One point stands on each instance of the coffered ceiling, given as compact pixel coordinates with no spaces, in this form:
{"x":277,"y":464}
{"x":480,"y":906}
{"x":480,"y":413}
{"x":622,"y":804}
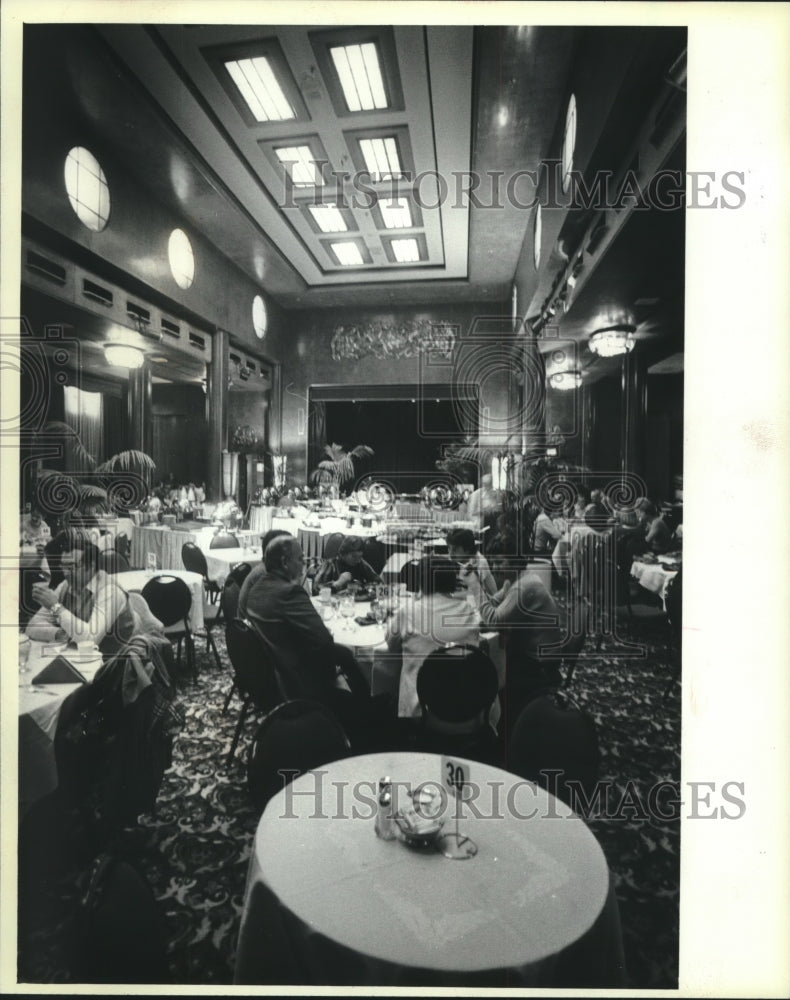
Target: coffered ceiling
{"x":455,"y":101}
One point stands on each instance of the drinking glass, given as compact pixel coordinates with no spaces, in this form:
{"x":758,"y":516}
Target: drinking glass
{"x":24,"y":653}
{"x":379,"y":611}
{"x":347,"y":609}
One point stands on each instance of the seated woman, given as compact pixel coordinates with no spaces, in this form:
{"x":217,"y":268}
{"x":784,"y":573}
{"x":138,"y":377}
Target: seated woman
{"x":437,"y":616}
{"x":346,"y":567}
{"x":462,"y":549}
{"x":88,"y":604}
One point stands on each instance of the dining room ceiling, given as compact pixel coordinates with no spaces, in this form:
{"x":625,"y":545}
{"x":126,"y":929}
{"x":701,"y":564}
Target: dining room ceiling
{"x":455,"y":101}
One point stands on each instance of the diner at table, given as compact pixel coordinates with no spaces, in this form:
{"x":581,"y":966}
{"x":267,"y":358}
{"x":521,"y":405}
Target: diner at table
{"x":295,"y":471}
{"x":436,"y":616}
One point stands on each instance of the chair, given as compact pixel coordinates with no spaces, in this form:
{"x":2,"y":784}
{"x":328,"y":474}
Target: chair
{"x":296,"y":736}
{"x":255,"y":676}
{"x":410,"y":575}
{"x":229,"y":605}
{"x":121,"y":932}
{"x":170,"y":600}
{"x":552,"y":734}
{"x":456,"y":689}
{"x":332,"y":544}
{"x":111,"y":561}
{"x":374,"y":553}
{"x":674,"y":606}
{"x":194,"y":561}
{"x":224,"y":540}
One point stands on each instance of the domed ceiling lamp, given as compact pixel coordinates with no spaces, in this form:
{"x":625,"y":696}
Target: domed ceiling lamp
{"x":613,"y":340}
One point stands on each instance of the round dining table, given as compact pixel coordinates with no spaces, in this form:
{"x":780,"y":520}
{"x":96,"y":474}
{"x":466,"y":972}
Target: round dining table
{"x":327,"y":902}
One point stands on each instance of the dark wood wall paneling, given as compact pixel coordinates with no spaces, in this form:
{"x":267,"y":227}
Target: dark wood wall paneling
{"x":179,"y":432}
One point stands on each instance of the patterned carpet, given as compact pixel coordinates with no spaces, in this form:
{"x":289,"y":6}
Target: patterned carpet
{"x":194,"y":852}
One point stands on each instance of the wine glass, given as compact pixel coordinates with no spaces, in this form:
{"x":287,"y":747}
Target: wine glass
{"x":379,"y":611}
{"x":347,"y":609}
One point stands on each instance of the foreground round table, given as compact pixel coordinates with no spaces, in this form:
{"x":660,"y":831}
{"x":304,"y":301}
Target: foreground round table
{"x":327,"y":902}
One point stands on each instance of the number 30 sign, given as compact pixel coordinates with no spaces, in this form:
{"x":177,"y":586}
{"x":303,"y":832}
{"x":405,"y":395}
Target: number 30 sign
{"x":455,"y":777}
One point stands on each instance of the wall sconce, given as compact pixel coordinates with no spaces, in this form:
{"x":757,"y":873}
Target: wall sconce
{"x":612,"y":340}
{"x":569,"y":379}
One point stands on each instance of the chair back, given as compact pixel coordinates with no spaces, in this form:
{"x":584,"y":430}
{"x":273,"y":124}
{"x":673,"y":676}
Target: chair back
{"x":374,"y":553}
{"x":121,"y":932}
{"x":253,"y":668}
{"x":111,"y":561}
{"x":552,"y":734}
{"x":410,"y":575}
{"x":169,"y":599}
{"x":289,"y":680}
{"x":456,"y":687}
{"x":224,"y":540}
{"x":332,"y":544}
{"x":194,"y":559}
{"x":229,"y":598}
{"x":296,"y":737}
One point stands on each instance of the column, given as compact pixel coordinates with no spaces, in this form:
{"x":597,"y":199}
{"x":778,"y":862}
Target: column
{"x":216,"y":413}
{"x":141,"y":435}
{"x":634,"y":413}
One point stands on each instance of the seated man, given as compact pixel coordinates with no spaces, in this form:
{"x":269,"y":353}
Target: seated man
{"x":434,"y":618}
{"x":462,"y":549}
{"x":485,"y":502}
{"x":658,"y":537}
{"x":346,"y":567}
{"x":312,"y":664}
{"x":88,"y":604}
{"x":529,"y":619}
{"x":258,"y":571}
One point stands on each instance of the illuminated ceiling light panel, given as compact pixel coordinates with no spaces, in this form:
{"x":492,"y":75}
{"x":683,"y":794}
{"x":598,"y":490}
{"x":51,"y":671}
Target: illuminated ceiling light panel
{"x":260,"y":89}
{"x":348,"y":254}
{"x":305,"y":172}
{"x":328,"y":218}
{"x":359,"y":71}
{"x":381,"y":158}
{"x":396,"y":214}
{"x":405,"y":251}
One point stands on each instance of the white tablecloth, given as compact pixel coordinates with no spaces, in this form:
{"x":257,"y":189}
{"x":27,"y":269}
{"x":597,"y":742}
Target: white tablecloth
{"x":221,"y":561}
{"x":653,"y":577}
{"x":136,"y":579}
{"x":39,"y":709}
{"x":327,"y":902}
{"x":165,"y":544}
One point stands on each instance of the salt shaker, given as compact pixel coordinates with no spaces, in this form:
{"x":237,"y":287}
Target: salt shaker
{"x":385,"y":821}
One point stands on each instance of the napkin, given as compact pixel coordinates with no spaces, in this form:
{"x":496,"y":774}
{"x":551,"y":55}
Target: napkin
{"x":59,"y":671}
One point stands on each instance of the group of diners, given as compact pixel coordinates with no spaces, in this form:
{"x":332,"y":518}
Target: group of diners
{"x":454,"y":597}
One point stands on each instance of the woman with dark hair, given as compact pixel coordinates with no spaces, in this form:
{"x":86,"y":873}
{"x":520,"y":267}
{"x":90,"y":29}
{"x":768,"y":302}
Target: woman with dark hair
{"x":348,"y":566}
{"x":434,"y":618}
{"x":88,"y":605}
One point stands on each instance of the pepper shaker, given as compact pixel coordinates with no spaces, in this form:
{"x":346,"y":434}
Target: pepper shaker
{"x":385,"y":821}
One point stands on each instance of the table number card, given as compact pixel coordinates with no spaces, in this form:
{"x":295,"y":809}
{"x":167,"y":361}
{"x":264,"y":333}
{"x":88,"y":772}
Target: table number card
{"x":455,"y":778}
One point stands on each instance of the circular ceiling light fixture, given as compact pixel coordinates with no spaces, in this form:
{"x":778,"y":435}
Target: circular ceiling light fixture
{"x":259,"y":318}
{"x":568,"y":379}
{"x":613,"y":340}
{"x":182,"y":258}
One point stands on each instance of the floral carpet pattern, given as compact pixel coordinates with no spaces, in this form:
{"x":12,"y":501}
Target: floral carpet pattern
{"x":194,"y":851}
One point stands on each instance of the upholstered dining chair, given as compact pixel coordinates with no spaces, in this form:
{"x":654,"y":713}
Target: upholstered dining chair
{"x":254,"y":674}
{"x":224,"y":540}
{"x":294,"y":737}
{"x":194,"y":560}
{"x":456,"y":689}
{"x":170,"y":600}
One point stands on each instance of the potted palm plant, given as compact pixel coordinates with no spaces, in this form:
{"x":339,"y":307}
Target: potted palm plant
{"x":338,"y":468}
{"x":118,"y":483}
